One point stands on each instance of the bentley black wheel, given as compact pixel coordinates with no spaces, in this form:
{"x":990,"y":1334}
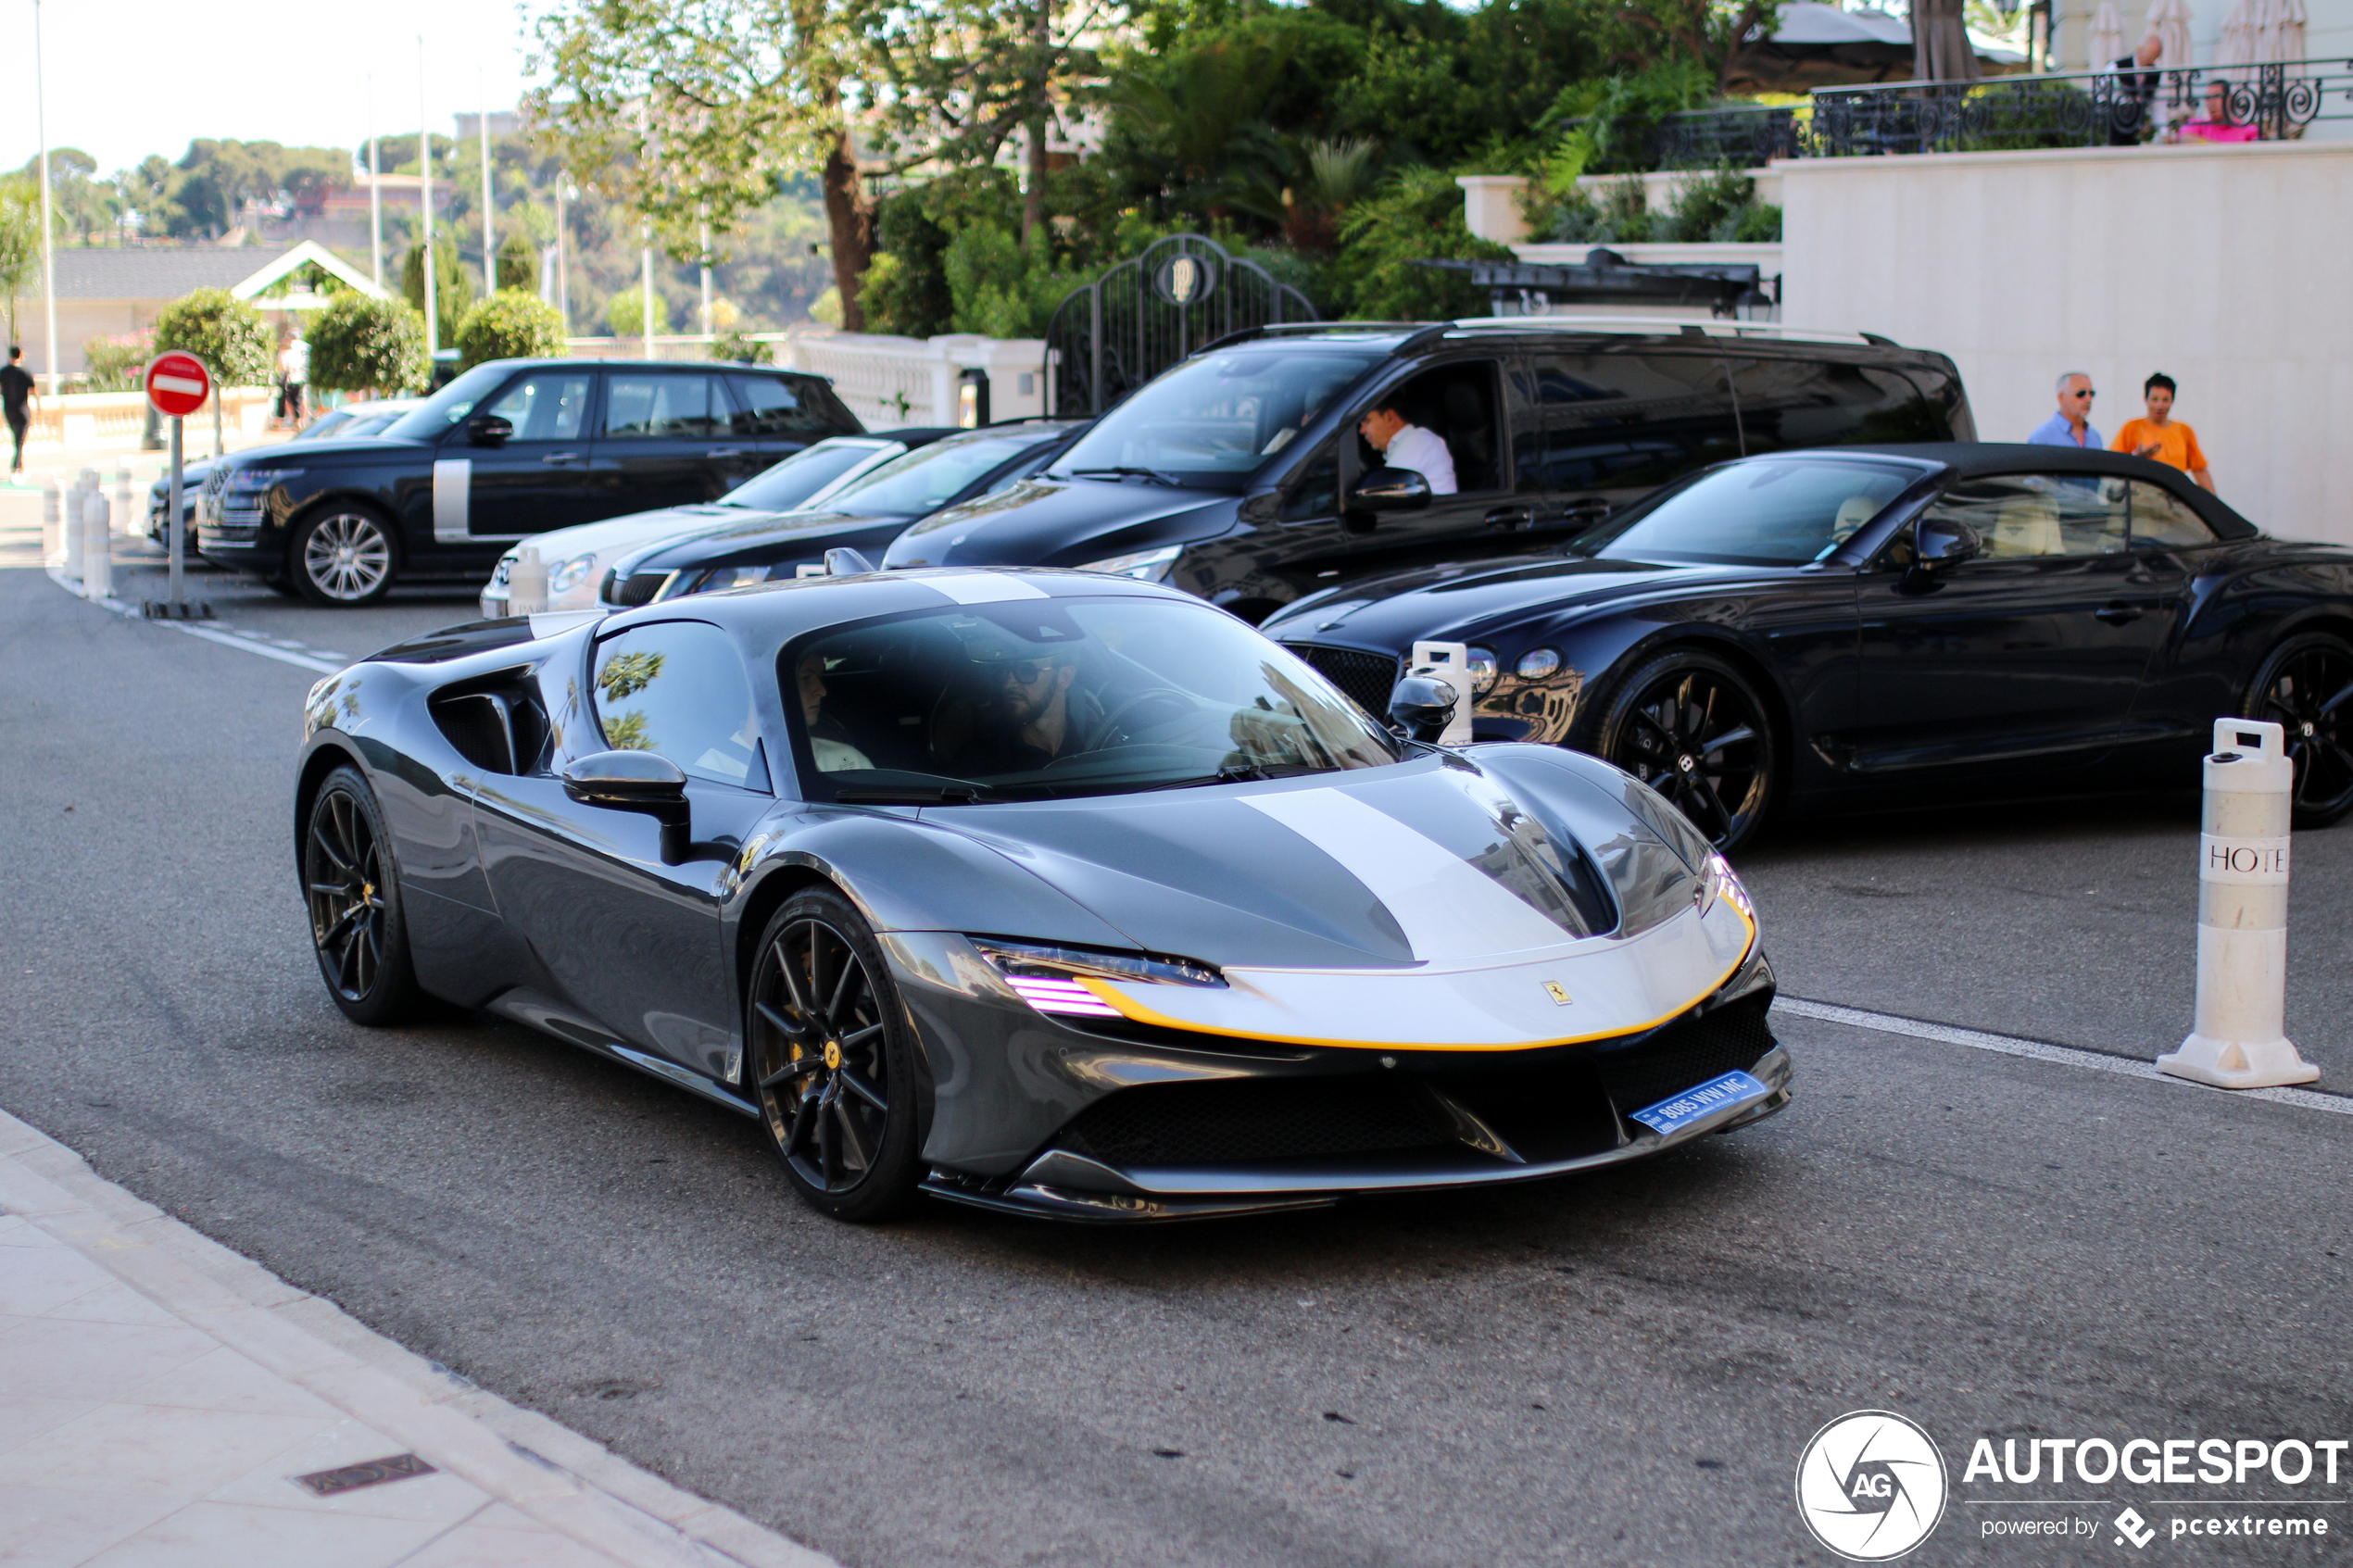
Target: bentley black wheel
{"x":832,"y":1060}
{"x":2306,"y":688}
{"x":1694,"y":728}
{"x":354,"y":896}
{"x":343,"y":556}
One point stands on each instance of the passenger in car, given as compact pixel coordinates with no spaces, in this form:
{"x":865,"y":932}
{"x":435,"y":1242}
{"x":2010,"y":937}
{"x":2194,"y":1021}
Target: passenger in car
{"x":1403,"y":444}
{"x":834,"y":753}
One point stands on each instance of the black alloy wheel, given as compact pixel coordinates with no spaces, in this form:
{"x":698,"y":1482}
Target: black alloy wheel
{"x":343,"y":556}
{"x":2306,"y":688}
{"x":354,"y":896}
{"x":1694,"y":728}
{"x":832,"y":1060}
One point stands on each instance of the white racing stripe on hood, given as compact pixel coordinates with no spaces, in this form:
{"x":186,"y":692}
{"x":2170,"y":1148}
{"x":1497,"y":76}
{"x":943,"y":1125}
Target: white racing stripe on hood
{"x":981,"y":587}
{"x":1448,"y":909}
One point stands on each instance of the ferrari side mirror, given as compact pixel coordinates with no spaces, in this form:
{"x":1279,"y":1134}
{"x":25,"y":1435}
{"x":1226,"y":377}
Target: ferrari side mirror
{"x":489,"y":430}
{"x":636,"y":781}
{"x":1421,"y":706}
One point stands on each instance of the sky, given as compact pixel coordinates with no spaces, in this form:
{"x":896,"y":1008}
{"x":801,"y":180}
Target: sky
{"x":127,"y":78}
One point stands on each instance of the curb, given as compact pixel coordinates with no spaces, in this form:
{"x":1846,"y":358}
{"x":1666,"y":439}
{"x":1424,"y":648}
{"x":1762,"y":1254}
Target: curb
{"x":569,"y":1482}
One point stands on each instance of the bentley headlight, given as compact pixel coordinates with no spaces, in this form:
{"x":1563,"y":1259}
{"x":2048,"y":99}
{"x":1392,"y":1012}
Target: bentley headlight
{"x":1538,"y":664}
{"x":1144,"y":566}
{"x":1484,"y":667}
{"x":1051,"y":979}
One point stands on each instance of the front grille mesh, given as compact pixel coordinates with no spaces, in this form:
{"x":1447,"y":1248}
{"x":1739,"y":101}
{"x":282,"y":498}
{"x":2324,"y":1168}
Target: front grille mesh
{"x":1367,"y":678}
{"x":1731,"y":1039}
{"x":637,"y":588}
{"x":1267,"y":1118}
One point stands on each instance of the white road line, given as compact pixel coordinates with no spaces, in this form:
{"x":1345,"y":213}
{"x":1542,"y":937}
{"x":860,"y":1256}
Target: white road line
{"x":228,"y":637}
{"x":2043,"y":1050}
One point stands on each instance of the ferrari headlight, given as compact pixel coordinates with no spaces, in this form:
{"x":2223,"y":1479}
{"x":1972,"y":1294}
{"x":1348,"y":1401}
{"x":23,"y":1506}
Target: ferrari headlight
{"x":1484,"y":667}
{"x":566,"y":575}
{"x":1048,"y":978}
{"x":1144,"y":566}
{"x":1717,"y":880}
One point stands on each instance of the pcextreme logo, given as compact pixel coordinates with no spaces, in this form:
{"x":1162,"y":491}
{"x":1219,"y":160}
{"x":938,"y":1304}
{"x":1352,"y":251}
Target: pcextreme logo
{"x":1870,"y":1486}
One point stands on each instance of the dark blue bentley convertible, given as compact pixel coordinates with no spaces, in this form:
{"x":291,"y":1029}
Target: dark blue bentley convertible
{"x":1818,"y":628}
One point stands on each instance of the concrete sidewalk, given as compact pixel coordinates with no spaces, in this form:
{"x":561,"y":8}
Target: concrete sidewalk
{"x":164,"y":1401}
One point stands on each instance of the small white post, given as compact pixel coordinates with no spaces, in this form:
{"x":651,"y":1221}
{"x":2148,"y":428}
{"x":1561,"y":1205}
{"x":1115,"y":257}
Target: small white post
{"x":528,"y":583}
{"x":97,"y":546}
{"x":1449,"y":662}
{"x":70,"y":527}
{"x":122,"y":507}
{"x":2240,"y":1041}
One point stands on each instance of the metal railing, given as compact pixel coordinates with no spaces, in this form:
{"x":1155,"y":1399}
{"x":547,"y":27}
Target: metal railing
{"x":2087,"y":109}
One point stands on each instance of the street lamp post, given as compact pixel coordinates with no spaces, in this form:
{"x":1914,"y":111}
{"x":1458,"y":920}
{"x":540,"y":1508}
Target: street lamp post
{"x":489,"y":202}
{"x":425,"y":187}
{"x":375,"y":193}
{"x":48,"y":263}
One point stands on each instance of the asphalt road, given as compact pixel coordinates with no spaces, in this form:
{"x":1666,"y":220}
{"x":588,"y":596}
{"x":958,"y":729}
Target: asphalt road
{"x":1617,"y":1369}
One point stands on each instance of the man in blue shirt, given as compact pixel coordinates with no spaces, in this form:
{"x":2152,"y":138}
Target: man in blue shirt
{"x":2072,"y":426}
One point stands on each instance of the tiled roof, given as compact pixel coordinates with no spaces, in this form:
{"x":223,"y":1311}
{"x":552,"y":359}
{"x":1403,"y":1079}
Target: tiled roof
{"x":155,"y":272}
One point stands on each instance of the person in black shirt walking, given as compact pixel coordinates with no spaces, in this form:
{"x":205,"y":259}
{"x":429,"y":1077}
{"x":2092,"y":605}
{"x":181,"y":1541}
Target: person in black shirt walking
{"x":16,"y":398}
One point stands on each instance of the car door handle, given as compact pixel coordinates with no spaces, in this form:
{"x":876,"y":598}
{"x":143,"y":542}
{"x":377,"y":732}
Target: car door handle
{"x":2118,"y":614}
{"x":559,"y":457}
{"x":1511,"y":517}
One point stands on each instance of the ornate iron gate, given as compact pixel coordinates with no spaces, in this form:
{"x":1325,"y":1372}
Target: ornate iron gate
{"x":1141,"y":316}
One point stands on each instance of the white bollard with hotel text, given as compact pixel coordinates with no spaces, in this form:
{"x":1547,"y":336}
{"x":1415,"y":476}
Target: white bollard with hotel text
{"x":2240,"y":1041}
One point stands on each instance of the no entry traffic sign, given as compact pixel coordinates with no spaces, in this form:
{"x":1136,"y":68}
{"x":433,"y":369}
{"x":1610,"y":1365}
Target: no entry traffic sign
{"x":178,"y":383}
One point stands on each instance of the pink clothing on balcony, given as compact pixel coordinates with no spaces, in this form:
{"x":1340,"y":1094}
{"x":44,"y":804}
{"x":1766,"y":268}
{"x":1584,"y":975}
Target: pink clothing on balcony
{"x":2205,"y":130}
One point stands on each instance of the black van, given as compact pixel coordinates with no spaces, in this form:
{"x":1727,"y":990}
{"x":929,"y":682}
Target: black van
{"x":1240,"y":475}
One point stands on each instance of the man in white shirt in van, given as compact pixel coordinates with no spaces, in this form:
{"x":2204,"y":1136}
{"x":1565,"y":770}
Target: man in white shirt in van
{"x":1405,"y":446}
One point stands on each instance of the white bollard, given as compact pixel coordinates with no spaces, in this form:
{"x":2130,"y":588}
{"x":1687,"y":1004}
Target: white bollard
{"x":1449,"y":662}
{"x":70,"y":528}
{"x":528,"y":583}
{"x":97,"y":549}
{"x":53,"y":537}
{"x":2241,"y":1040}
{"x":126,"y":515}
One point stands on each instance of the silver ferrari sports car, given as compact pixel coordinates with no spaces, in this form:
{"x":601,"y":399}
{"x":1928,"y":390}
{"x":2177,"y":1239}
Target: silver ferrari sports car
{"x":1043,"y":891}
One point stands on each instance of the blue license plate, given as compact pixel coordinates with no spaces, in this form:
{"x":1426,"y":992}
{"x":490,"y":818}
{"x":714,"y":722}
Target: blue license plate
{"x":1671,"y":1116}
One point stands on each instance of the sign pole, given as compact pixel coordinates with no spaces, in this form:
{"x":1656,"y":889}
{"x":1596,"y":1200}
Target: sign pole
{"x":179,"y":521}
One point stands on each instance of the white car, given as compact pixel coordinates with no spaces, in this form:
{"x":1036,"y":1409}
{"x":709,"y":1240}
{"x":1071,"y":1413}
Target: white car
{"x":578,"y":558}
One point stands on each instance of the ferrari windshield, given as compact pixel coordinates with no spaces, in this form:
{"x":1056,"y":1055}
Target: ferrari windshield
{"x":1039,"y":697}
{"x":1211,"y":421}
{"x":1776,"y":512}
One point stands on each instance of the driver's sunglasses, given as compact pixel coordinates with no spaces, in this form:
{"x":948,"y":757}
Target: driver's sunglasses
{"x":1026,"y":673}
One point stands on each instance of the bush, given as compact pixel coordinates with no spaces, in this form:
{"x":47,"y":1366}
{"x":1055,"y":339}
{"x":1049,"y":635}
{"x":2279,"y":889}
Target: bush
{"x":1719,"y":206}
{"x":743,"y":349}
{"x":511,"y":324}
{"x":1418,"y":215}
{"x":224,"y":331}
{"x":624,"y":312}
{"x":518,"y":264}
{"x":115,"y":363}
{"x":1621,"y":215}
{"x":362,"y":344}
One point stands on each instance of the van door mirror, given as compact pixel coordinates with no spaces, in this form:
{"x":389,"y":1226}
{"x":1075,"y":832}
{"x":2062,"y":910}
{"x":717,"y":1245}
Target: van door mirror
{"x":1389,"y":490}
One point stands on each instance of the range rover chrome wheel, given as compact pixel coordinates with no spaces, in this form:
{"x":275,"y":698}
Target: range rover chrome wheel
{"x":343,"y":557}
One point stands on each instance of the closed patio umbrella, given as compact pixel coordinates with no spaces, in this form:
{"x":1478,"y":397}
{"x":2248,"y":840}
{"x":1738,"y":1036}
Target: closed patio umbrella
{"x":2236,"y":47}
{"x":2281,"y":30}
{"x":2170,"y":19}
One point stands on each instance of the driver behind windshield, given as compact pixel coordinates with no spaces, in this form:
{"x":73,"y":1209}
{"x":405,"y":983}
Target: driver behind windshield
{"x":1028,"y":712}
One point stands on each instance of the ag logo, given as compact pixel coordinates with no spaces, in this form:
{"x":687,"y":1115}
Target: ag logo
{"x":1870,"y":1486}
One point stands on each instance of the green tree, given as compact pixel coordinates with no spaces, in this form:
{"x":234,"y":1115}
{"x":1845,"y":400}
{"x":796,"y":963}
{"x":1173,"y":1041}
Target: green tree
{"x":20,"y":243}
{"x":518,"y":264}
{"x":224,"y":331}
{"x":453,"y":287}
{"x":511,"y":324}
{"x":362,"y":344}
{"x":625,"y":312}
{"x":1417,"y":216}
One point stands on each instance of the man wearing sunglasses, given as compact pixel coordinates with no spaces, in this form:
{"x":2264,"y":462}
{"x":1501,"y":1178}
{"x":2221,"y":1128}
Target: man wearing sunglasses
{"x":1036,"y":717}
{"x":2072,"y":426}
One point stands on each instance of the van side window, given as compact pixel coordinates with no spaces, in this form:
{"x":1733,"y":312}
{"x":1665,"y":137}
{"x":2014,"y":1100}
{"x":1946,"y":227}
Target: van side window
{"x":1786,"y":403}
{"x":1456,"y":402}
{"x":1630,"y":422}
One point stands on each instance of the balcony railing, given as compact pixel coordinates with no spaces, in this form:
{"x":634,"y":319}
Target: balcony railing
{"x":2057,"y":109}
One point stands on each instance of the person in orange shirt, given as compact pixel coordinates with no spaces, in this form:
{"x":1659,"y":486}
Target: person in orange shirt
{"x":2161,"y":436}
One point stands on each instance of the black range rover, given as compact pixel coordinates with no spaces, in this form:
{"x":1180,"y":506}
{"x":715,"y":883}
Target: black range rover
{"x":510,"y":448}
{"x":1240,"y":475}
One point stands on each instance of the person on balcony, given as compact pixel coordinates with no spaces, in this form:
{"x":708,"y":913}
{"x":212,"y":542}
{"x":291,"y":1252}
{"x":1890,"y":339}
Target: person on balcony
{"x":2136,"y":86}
{"x":2072,"y":426}
{"x":2213,"y":122}
{"x":2162,"y":436}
